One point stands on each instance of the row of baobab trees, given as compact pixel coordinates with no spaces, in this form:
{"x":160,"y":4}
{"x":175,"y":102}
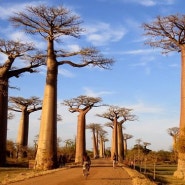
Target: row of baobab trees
{"x":117,"y":117}
{"x":52,"y":23}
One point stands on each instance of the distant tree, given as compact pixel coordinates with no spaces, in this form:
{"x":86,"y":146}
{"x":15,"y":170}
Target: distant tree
{"x":111,"y":125}
{"x":10,"y":148}
{"x":25,"y":106}
{"x":139,"y":148}
{"x":51,"y":23}
{"x":125,"y":138}
{"x":13,"y":50}
{"x":145,"y":149}
{"x":168,"y":33}
{"x":94,"y":127}
{"x":10,"y":115}
{"x":118,"y":116}
{"x":102,"y":134}
{"x":174,"y":133}
{"x":82,"y":105}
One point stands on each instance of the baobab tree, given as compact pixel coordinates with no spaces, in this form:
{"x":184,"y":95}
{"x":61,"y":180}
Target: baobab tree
{"x":102,"y":134}
{"x":118,"y":116}
{"x":13,"y":50}
{"x":82,"y":105}
{"x":52,"y":23}
{"x":125,"y":138}
{"x":168,"y":33}
{"x":26,"y":106}
{"x":174,"y":133}
{"x":111,"y":125}
{"x":94,"y":127}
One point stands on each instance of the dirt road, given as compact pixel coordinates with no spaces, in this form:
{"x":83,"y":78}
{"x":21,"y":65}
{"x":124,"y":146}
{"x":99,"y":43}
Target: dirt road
{"x":101,"y":173}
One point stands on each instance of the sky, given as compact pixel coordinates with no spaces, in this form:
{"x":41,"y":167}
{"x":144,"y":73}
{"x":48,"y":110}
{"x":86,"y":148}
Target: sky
{"x":142,"y":78}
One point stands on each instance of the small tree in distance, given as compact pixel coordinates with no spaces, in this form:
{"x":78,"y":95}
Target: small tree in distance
{"x":82,"y":105}
{"x":25,"y":106}
{"x":174,"y":133}
{"x":118,"y":116}
{"x":94,"y":127}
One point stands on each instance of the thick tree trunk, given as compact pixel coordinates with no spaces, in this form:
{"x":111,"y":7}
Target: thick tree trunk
{"x":112,"y":144}
{"x":80,"y":138}
{"x":125,"y":146}
{"x":95,"y":150}
{"x":46,"y":157}
{"x":22,"y":137}
{"x":180,"y":173}
{"x":115,"y":144}
{"x":101,"y":147}
{"x":120,"y":144}
{"x":97,"y":144}
{"x":3,"y":119}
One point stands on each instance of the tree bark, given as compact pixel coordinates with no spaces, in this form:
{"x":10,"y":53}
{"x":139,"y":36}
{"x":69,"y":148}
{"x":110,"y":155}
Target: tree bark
{"x":3,"y":120}
{"x":180,"y":173}
{"x":22,"y":137}
{"x":115,"y":144}
{"x":112,"y":144}
{"x":80,"y":138}
{"x":46,"y":157}
{"x":101,"y":147}
{"x":95,"y":150}
{"x":120,"y":144}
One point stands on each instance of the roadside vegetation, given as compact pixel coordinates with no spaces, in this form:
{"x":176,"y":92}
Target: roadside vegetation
{"x":158,"y":167}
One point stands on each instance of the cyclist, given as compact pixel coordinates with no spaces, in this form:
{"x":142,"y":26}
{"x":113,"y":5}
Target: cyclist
{"x":86,"y":162}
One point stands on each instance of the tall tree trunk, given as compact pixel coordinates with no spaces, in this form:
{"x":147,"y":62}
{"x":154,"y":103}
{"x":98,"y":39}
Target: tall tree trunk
{"x":46,"y":157}
{"x":101,"y":147}
{"x":180,"y":173}
{"x":112,"y":144}
{"x":115,"y":144}
{"x":3,"y":119}
{"x":80,"y":138}
{"x":95,"y":150}
{"x":22,"y":137}
{"x":97,"y":144}
{"x":120,"y":143}
{"x":125,"y":146}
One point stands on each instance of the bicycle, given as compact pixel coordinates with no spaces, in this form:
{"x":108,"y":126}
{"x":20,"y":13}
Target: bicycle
{"x":86,"y":167}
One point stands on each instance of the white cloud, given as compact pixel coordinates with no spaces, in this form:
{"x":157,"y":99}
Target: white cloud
{"x":148,"y":3}
{"x":8,"y":9}
{"x":102,"y":33}
{"x":73,"y":47}
{"x":90,"y":92}
{"x":65,"y":73}
{"x":139,"y":51}
{"x":143,"y":108}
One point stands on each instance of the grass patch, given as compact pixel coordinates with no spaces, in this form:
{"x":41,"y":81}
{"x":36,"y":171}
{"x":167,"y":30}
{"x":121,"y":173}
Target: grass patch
{"x":13,"y":173}
{"x":163,"y":174}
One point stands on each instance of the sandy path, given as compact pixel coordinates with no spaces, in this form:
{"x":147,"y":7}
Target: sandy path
{"x":101,"y":173}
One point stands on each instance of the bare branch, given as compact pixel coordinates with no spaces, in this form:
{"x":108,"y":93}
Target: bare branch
{"x":167,"y":33}
{"x":49,"y":22}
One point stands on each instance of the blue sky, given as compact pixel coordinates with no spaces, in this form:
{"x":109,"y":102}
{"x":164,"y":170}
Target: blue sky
{"x":141,"y":78}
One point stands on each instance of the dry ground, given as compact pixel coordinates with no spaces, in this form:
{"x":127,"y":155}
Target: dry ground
{"x":101,"y":172}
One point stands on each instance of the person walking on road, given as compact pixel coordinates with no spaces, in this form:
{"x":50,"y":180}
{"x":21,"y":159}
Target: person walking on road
{"x":86,"y":161}
{"x":114,"y":160}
